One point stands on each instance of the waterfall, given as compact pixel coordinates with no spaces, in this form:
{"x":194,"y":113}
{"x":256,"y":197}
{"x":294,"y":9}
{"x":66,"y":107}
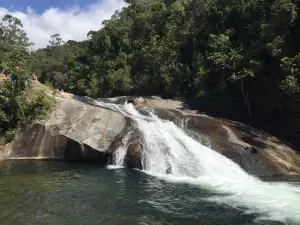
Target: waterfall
{"x":120,"y":153}
{"x":170,"y":154}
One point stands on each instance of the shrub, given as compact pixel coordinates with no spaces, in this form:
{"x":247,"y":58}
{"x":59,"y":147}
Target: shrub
{"x":21,"y":105}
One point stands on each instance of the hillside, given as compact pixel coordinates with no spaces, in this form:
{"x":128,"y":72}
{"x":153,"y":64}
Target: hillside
{"x":232,"y":59}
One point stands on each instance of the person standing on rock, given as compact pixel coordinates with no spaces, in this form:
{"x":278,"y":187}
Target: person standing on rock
{"x":34,"y":77}
{"x":64,"y":80}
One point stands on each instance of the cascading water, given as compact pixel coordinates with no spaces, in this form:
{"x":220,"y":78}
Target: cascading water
{"x":120,"y":153}
{"x":172,"y":155}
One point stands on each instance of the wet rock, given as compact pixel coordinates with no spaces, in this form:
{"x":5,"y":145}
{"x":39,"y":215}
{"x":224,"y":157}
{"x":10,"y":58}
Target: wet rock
{"x":133,"y":158}
{"x":134,"y":155}
{"x":256,"y":152}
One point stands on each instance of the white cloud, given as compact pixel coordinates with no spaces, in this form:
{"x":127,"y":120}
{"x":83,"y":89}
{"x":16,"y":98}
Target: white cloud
{"x":71,"y":24}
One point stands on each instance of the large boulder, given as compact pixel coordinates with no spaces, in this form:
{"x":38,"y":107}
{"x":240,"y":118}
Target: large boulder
{"x":76,"y":130}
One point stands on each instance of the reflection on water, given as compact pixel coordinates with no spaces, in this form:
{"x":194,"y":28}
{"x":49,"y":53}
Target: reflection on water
{"x":45,"y":192}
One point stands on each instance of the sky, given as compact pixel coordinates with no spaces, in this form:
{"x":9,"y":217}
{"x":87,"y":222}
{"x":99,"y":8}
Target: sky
{"x":72,"y":19}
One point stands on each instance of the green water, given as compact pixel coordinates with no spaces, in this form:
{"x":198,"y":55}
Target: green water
{"x":45,"y":192}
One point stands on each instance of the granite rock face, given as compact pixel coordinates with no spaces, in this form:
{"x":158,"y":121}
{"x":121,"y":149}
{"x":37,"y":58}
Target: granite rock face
{"x":258,"y":153}
{"x":76,"y":130}
{"x":79,"y":130}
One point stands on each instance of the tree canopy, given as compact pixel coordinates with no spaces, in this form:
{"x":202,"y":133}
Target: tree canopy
{"x":236,"y":58}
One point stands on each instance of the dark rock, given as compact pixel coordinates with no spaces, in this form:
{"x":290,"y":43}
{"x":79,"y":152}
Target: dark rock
{"x":35,"y":142}
{"x":134,"y":156}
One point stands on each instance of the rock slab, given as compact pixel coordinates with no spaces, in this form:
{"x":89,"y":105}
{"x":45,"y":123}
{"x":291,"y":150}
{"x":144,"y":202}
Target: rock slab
{"x":76,"y":130}
{"x":81,"y":131}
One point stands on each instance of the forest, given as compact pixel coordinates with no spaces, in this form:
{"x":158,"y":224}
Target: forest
{"x":236,"y":59}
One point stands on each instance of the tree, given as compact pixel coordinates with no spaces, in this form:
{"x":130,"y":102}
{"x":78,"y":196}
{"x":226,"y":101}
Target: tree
{"x":55,"y":40}
{"x":17,"y":107}
{"x":14,"y":42}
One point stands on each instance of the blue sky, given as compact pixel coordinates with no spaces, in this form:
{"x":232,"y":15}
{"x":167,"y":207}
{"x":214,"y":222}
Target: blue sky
{"x":72,"y":19}
{"x":40,"y":5}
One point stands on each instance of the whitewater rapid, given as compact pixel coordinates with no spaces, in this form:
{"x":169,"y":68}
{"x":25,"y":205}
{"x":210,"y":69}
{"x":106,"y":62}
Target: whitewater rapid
{"x":170,"y":154}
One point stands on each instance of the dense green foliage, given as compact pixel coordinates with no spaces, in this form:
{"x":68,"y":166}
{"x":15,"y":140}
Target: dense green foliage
{"x":234,"y":58}
{"x":18,"y":104}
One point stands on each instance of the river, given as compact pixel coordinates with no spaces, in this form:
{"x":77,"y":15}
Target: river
{"x":47,"y":192}
{"x":183,"y":182}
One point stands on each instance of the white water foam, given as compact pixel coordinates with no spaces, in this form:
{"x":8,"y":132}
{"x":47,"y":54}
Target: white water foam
{"x":114,"y":167}
{"x":172,"y":155}
{"x":120,"y":154}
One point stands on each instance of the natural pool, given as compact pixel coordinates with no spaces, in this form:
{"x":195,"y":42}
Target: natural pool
{"x":47,"y":192}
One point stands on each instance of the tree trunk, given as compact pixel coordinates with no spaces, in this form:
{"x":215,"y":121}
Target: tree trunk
{"x":246,"y":99}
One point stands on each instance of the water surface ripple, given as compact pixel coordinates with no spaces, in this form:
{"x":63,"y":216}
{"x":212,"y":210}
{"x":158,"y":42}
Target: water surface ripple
{"x":45,"y":192}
